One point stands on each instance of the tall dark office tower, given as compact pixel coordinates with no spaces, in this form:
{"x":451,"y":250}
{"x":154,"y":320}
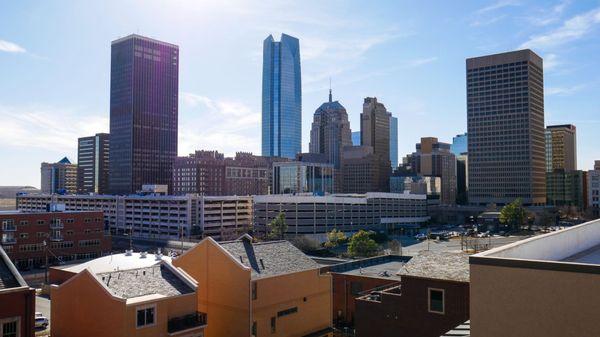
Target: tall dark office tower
{"x":375,"y":132}
{"x":143,"y":113}
{"x":92,"y":164}
{"x":561,"y":148}
{"x":505,"y":110}
{"x":330,"y":131}
{"x":281,"y":98}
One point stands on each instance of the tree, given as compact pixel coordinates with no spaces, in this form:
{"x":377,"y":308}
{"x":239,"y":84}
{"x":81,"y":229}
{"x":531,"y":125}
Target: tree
{"x":305,"y":244}
{"x":513,"y":215}
{"x":395,"y":247}
{"x":362,"y":245}
{"x":335,"y":238}
{"x":277,"y":228}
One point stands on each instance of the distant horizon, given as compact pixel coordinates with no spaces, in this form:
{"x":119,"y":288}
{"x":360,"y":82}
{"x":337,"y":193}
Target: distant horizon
{"x":56,"y":68}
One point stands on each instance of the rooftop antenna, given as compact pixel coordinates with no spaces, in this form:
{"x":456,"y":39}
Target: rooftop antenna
{"x":329,"y":89}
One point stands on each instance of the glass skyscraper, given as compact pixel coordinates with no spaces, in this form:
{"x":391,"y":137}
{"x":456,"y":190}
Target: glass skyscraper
{"x":144,"y":76}
{"x":394,"y":141}
{"x":281,"y":98}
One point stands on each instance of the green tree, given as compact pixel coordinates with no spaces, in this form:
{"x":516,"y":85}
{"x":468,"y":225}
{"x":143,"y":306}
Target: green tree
{"x":335,"y":238}
{"x":277,"y":228}
{"x":362,"y":245}
{"x":513,"y":214}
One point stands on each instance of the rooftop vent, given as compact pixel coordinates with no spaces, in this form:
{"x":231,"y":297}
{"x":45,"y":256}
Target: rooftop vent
{"x":128,"y":252}
{"x":143,"y":255}
{"x":159,"y":256}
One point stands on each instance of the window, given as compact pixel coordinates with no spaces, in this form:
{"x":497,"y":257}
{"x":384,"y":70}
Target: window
{"x":24,"y":235}
{"x":145,"y":316}
{"x":9,"y":327}
{"x":436,"y":300}
{"x":254,"y":329}
{"x":24,"y":223}
{"x":254,"y":290}
{"x":273,"y":324}
{"x":287,"y":312}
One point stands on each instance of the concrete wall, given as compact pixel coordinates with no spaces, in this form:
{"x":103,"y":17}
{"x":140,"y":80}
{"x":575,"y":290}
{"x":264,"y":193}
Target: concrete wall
{"x":525,"y":302}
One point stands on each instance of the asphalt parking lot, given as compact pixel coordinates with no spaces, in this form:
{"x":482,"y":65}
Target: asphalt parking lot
{"x":42,"y":304}
{"x":454,"y":244}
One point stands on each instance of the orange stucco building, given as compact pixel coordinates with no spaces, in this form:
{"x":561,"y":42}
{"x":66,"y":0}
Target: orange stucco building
{"x":136,"y":298}
{"x":259,"y":289}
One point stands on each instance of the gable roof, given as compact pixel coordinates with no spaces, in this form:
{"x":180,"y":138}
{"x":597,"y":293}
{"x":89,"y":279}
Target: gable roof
{"x":65,"y":160}
{"x":269,"y":258}
{"x":438,"y":265}
{"x":9,"y":276}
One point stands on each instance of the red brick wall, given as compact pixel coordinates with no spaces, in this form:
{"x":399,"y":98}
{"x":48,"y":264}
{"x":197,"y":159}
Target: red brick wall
{"x":19,"y":303}
{"x":85,"y":226}
{"x":343,"y":297}
{"x":408,"y":314}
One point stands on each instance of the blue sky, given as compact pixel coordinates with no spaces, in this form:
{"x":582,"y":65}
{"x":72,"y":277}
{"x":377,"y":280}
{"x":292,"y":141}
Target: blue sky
{"x":55,"y":62}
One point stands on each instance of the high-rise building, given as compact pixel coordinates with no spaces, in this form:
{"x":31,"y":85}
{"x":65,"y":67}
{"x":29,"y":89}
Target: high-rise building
{"x":360,"y":170}
{"x":92,"y":164}
{"x":303,"y":177}
{"x":59,"y":177}
{"x":462,"y":178}
{"x":505,"y":114}
{"x":330,"y":131}
{"x":143,"y":113}
{"x":561,"y":147}
{"x":281,"y":98}
{"x":565,"y":188}
{"x":593,"y":189}
{"x":459,"y":144}
{"x":356,"y":138}
{"x":394,"y":141}
{"x":434,"y":159}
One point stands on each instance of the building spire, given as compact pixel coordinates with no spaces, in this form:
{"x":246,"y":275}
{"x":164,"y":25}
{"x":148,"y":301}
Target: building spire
{"x":330,"y":90}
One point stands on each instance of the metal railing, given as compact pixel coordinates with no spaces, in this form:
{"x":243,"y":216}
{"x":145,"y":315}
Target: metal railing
{"x":195,"y":320}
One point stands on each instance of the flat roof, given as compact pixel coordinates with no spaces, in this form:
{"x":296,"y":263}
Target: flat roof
{"x":591,"y":256}
{"x":385,"y":270}
{"x":114,"y":262}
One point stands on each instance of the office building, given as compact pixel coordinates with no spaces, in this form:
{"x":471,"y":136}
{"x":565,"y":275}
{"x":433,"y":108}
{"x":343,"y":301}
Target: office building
{"x":66,"y":235}
{"x":92,"y":164}
{"x":156,"y":216}
{"x":565,"y":188}
{"x":425,"y":296}
{"x":122,"y":295}
{"x":462,"y":178}
{"x":356,"y":138}
{"x":375,"y":132}
{"x":434,"y":158}
{"x":416,"y":184}
{"x":361,"y":170}
{"x":460,"y":144}
{"x":505,"y":116}
{"x":144,"y":90}
{"x":330,"y":131}
{"x":303,"y":177}
{"x":258,"y":288}
{"x":394,"y":141}
{"x":561,"y":147}
{"x":59,"y":177}
{"x":309,"y":214}
{"x":593,"y":190}
{"x":17,"y":309}
{"x":525,"y":288}
{"x":281,"y":98}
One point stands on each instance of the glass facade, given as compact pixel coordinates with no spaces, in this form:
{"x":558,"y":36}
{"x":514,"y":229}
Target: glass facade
{"x":143,"y":113}
{"x":394,"y":141}
{"x":281,"y":98}
{"x":356,"y":138}
{"x":299,"y":177}
{"x":459,"y":144}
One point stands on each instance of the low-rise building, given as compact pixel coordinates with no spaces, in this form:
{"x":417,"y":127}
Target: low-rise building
{"x":17,"y":301}
{"x":258,"y":289}
{"x":130,"y":299}
{"x":432,"y":298}
{"x":309,"y":214}
{"x":547,"y":285}
{"x":593,"y":190}
{"x":303,"y":177}
{"x":156,"y":216}
{"x":31,"y":237}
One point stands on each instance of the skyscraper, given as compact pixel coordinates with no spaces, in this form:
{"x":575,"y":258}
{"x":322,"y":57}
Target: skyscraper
{"x":93,"y":162}
{"x":505,"y":114}
{"x":143,"y":112}
{"x":330,"y":131}
{"x":356,"y":138}
{"x":434,"y":159}
{"x":281,"y":98}
{"x":459,"y":144}
{"x":394,"y":141}
{"x":561,"y":147}
{"x":59,"y":177}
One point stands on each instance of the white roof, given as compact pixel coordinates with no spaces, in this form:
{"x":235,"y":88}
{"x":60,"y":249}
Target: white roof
{"x":115,"y":262}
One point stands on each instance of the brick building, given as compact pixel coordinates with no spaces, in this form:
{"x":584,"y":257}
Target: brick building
{"x":17,"y":301}
{"x":68,"y":236}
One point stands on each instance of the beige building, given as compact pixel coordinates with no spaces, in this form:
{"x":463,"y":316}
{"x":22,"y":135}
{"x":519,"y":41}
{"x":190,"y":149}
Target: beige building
{"x":561,"y":147}
{"x":59,"y":177}
{"x":548,"y":285}
{"x":259,"y":289}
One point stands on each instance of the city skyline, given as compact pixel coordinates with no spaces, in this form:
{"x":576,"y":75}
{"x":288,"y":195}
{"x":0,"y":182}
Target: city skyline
{"x":36,"y":96}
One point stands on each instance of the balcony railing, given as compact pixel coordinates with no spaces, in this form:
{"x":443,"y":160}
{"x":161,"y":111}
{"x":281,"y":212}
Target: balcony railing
{"x":9,"y":228}
{"x":8,"y":241}
{"x":195,"y":320}
{"x":56,"y":237}
{"x":57,"y":225}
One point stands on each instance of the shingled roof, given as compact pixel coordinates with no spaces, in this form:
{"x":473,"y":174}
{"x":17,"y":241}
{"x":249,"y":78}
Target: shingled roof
{"x":9,"y":276}
{"x":438,"y":265}
{"x":269,"y":258}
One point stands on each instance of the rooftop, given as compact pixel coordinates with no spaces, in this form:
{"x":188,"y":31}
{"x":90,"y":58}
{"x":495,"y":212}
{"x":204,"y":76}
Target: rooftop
{"x":385,"y":267}
{"x":9,"y":276}
{"x":438,"y":265}
{"x":155,"y":280}
{"x":270,"y":258}
{"x":116,"y":262}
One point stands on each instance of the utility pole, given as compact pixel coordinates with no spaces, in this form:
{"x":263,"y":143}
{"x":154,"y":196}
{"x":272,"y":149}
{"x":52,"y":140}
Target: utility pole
{"x":46,"y":262}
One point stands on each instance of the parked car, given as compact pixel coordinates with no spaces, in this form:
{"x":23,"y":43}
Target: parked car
{"x":420,"y":236}
{"x":41,"y":321}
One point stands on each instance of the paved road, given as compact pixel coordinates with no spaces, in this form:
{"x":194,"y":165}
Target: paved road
{"x":410,"y":248}
{"x":42,"y":304}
